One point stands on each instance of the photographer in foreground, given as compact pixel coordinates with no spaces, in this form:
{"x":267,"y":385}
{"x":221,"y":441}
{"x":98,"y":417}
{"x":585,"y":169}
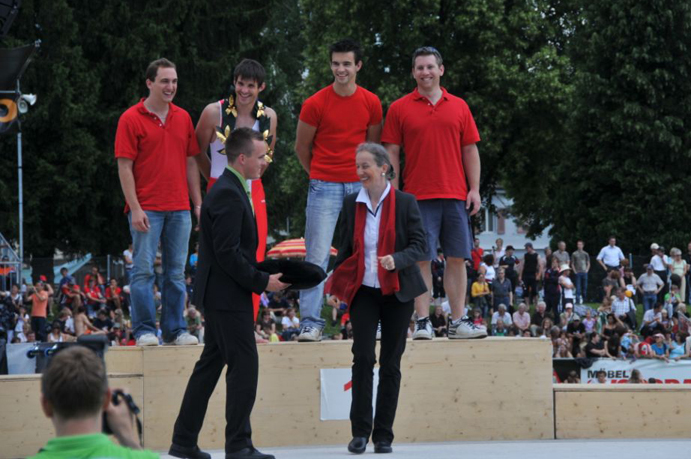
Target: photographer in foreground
{"x":74,"y":395}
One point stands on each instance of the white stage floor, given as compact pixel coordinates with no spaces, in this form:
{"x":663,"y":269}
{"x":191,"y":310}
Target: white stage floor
{"x":545,"y":449}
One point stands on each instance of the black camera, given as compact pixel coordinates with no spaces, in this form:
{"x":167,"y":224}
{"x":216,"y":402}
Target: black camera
{"x":118,"y":397}
{"x":44,"y":352}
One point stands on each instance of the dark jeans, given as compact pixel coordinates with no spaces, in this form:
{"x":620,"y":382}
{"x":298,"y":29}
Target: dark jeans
{"x":438,"y":289}
{"x":665,"y":287}
{"x":649,"y":300}
{"x":228,"y":340}
{"x":368,"y":308}
{"x":581,"y":287}
{"x":481,"y":303}
{"x":552,"y":302}
{"x":38,"y":325}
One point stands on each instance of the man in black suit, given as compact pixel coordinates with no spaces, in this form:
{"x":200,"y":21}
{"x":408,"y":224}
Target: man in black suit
{"x":226,"y":278}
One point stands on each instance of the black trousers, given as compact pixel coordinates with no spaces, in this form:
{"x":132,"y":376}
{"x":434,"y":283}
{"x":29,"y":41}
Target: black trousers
{"x":438,"y":289}
{"x":369,"y":307}
{"x":552,"y":302}
{"x":38,"y":325}
{"x":665,"y":287}
{"x":529,"y":286}
{"x":228,"y":340}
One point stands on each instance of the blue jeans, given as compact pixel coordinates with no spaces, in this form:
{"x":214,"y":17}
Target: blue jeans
{"x":324,"y":202}
{"x":581,"y":287}
{"x":649,"y":300}
{"x":172,"y":229}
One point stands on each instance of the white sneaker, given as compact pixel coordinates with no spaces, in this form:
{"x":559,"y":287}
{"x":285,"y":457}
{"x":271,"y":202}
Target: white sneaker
{"x":379,"y":331}
{"x":464,"y":328}
{"x":310,"y":334}
{"x":185,"y":339}
{"x":423,"y":329}
{"x":147,"y":339}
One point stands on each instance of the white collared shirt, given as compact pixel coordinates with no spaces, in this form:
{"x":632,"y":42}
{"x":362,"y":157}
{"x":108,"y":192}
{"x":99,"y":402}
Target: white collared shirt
{"x":658,"y":263}
{"x":371,"y":236}
{"x":611,"y":256}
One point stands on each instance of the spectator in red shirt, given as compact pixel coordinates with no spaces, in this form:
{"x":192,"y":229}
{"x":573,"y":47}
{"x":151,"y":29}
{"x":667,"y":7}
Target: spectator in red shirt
{"x":114,"y":296}
{"x":325,"y":143}
{"x":95,"y":274}
{"x":477,"y":253}
{"x":155,"y":147}
{"x":94,"y":298}
{"x":442,"y":169}
{"x":72,"y":294}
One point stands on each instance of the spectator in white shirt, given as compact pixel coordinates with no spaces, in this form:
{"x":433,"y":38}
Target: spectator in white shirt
{"x":652,"y":321}
{"x":610,"y":256}
{"x":502,"y":315}
{"x":291,"y":325}
{"x":623,"y":307}
{"x":649,"y":284}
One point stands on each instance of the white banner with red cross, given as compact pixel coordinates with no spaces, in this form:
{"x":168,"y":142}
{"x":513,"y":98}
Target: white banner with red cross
{"x":337,"y":391}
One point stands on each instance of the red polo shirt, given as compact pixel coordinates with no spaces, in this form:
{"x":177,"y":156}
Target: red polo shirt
{"x":342,"y":124}
{"x":432,"y":137}
{"x":159,"y":152}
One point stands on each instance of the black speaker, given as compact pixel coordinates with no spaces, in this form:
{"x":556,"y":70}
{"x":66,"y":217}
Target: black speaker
{"x":8,"y":12}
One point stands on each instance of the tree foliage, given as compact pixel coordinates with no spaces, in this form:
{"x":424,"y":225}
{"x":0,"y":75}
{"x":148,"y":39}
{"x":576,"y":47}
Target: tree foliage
{"x":626,"y":168}
{"x":582,"y":106}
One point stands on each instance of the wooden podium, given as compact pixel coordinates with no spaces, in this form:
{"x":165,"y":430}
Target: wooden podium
{"x":490,"y":389}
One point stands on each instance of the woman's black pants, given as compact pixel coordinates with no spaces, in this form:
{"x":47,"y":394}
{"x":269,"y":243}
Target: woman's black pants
{"x":368,"y":308}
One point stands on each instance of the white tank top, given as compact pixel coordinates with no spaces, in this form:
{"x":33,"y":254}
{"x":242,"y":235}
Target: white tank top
{"x":219,"y":161}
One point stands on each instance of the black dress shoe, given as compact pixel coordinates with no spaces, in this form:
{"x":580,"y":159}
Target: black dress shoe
{"x":357,"y":445}
{"x":249,"y":453}
{"x":186,"y":452}
{"x":383,"y":447}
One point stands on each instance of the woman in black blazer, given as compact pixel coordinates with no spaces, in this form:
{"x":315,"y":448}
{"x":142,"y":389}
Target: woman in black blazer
{"x":376,"y":275}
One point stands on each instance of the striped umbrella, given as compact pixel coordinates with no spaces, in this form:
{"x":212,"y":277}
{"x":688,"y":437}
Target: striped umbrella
{"x":292,"y":248}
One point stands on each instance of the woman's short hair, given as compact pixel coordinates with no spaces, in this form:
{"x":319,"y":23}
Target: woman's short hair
{"x":380,"y":155}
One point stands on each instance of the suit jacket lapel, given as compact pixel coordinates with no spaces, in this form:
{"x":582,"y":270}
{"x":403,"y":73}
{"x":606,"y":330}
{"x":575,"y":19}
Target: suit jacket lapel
{"x":241,"y":189}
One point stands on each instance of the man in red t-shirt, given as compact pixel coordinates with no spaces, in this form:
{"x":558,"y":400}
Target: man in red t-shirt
{"x":442,"y":169}
{"x":477,"y":254}
{"x":333,"y":122}
{"x":114,"y":296}
{"x":155,"y":147}
{"x":72,"y":294}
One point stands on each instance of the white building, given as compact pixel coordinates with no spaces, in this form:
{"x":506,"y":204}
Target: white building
{"x":498,"y":224}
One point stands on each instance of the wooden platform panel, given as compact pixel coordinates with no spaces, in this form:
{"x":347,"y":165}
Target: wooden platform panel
{"x":622,"y":411}
{"x":451,"y":390}
{"x":24,"y":429}
{"x":491,"y":389}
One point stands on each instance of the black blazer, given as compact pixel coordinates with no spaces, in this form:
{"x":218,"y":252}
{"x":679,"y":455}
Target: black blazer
{"x":226,"y":273}
{"x":410,"y":246}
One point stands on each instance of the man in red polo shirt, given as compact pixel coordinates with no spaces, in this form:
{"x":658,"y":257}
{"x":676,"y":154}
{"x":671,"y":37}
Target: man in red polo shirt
{"x":477,"y":254}
{"x":155,"y":147}
{"x":333,"y":122}
{"x":442,"y":169}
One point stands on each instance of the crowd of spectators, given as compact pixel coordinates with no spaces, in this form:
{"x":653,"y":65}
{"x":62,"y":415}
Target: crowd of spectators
{"x":538,"y":295}
{"x":503,"y":288}
{"x":67,"y":310}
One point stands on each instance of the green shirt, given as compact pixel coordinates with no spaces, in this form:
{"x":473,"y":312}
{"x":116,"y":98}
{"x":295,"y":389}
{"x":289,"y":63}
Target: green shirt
{"x":245,"y":187}
{"x":89,"y":446}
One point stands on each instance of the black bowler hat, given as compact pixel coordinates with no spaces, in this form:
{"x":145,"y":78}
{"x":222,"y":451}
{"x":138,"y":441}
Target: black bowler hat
{"x":300,"y":275}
